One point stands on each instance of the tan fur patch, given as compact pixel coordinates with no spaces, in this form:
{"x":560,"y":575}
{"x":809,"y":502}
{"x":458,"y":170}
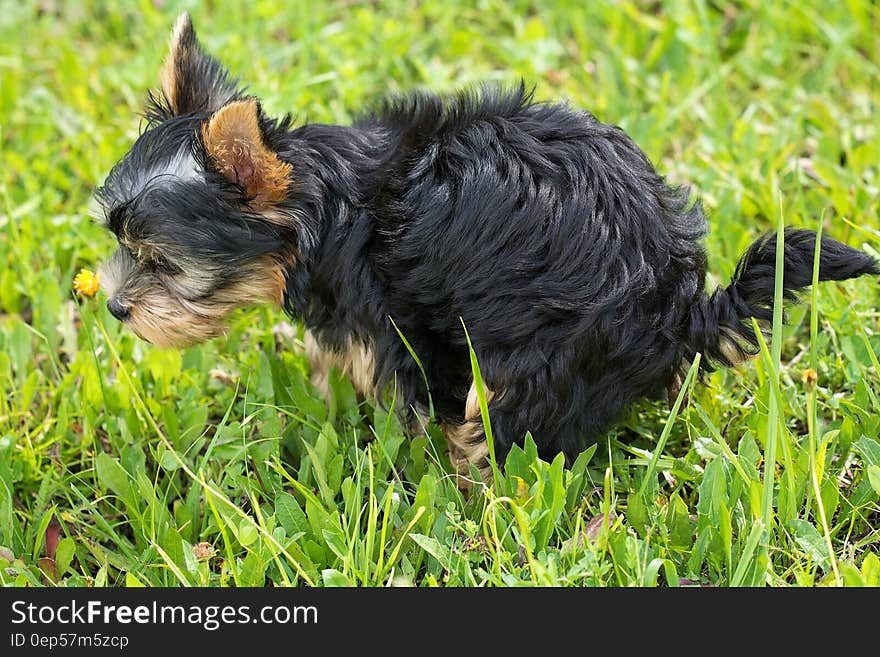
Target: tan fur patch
{"x":467,"y":445}
{"x":277,"y":217}
{"x":269,"y":287}
{"x":467,"y":442}
{"x":164,"y":323}
{"x":357,"y":362}
{"x":168,"y":321}
{"x":472,"y":404}
{"x":729,"y":348}
{"x":168,"y":73}
{"x":235,"y":144}
{"x":320,"y":361}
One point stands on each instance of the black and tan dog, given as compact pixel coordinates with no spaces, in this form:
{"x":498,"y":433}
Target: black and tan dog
{"x":578,"y":272}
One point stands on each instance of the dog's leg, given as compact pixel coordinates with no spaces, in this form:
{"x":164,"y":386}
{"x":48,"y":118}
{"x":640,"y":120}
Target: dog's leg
{"x":320,"y":362}
{"x":467,"y":442}
{"x":355,"y":361}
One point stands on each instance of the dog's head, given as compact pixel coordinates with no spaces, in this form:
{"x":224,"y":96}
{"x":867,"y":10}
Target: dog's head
{"x":197,"y":205}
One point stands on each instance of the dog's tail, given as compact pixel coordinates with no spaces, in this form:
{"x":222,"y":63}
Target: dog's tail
{"x":719,"y":325}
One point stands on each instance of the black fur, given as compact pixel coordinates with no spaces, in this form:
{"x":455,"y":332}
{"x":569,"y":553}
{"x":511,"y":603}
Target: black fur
{"x":577,"y":270}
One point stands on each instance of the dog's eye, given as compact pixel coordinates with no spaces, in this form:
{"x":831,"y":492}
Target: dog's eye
{"x":150,"y":260}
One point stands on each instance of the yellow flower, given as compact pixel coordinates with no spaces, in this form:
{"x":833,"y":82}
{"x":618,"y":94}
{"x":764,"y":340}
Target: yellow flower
{"x":86,"y":283}
{"x":810,"y":378}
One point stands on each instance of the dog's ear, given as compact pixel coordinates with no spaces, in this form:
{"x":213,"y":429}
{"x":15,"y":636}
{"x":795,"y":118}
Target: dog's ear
{"x":236,"y":146}
{"x":191,"y":80}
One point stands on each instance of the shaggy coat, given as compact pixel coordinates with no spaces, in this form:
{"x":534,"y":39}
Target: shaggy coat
{"x":577,"y":271}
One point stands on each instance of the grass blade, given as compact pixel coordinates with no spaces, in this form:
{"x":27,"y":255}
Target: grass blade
{"x":667,"y":428}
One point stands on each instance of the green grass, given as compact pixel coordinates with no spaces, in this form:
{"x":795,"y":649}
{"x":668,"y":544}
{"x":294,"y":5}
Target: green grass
{"x":118,"y":460}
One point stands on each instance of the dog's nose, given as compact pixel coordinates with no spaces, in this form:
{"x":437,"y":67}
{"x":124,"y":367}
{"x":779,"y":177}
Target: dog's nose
{"x":116,"y":309}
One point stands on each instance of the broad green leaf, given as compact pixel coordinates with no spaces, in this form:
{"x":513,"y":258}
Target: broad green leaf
{"x":333,"y":578}
{"x":131,"y":581}
{"x":247,"y":533}
{"x":290,"y":515}
{"x":811,"y":541}
{"x":64,"y":554}
{"x":874,"y":477}
{"x":433,"y":547}
{"x":112,"y":476}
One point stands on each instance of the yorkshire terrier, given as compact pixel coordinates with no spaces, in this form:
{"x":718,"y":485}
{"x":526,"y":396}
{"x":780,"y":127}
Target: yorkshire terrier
{"x":577,"y":271}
